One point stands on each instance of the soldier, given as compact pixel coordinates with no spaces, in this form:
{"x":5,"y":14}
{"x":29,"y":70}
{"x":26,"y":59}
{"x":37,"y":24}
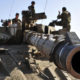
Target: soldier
{"x":16,"y":20}
{"x":65,"y":20}
{"x":17,"y":28}
{"x":27,"y":23}
{"x":31,"y":8}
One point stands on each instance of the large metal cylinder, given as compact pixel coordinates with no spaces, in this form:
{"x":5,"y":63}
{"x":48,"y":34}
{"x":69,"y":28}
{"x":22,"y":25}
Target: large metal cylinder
{"x":63,"y":54}
{"x":67,"y":57}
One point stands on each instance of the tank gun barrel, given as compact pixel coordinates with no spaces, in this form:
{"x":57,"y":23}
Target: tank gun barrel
{"x":63,"y":50}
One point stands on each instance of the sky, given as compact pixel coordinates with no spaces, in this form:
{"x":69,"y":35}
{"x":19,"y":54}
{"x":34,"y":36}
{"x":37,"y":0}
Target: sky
{"x":8,"y":8}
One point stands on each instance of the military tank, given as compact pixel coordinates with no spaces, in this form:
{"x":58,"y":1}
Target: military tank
{"x":35,"y":54}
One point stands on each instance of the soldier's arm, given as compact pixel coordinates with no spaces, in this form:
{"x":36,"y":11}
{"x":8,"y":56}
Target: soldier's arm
{"x":59,"y":16}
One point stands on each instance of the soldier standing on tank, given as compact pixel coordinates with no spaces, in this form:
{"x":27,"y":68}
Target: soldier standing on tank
{"x":32,"y":12}
{"x":65,"y":20}
{"x":27,"y":19}
{"x":31,"y":8}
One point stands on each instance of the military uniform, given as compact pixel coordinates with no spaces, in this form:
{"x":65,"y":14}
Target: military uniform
{"x":65,"y":21}
{"x":31,"y":10}
{"x":26,"y":20}
{"x":16,"y":20}
{"x":18,"y":35}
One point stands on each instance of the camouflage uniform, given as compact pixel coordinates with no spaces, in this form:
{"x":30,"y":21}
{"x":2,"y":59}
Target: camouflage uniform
{"x":31,"y":10}
{"x":65,"y":21}
{"x":26,"y":20}
{"x":18,"y":35}
{"x":16,"y":20}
